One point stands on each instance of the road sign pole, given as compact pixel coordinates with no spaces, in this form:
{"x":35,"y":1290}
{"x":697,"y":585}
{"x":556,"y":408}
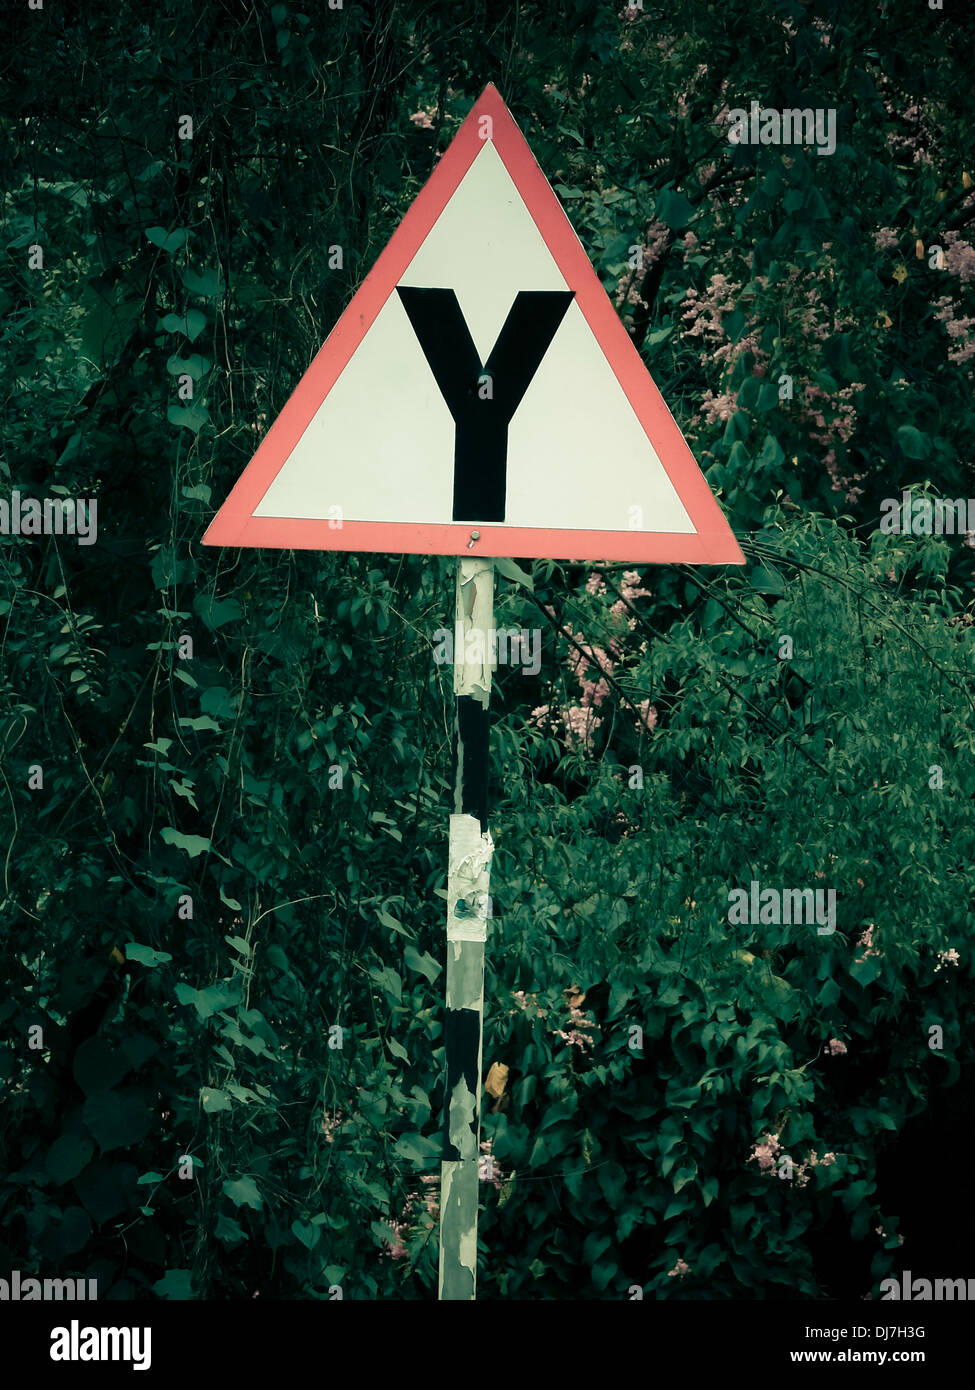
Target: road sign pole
{"x":468,"y":879}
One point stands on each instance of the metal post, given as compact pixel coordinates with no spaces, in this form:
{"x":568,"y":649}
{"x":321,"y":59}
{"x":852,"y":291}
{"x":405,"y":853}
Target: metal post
{"x":468,"y":878}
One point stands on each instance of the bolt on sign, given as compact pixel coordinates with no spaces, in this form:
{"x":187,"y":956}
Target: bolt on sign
{"x":479,"y":397}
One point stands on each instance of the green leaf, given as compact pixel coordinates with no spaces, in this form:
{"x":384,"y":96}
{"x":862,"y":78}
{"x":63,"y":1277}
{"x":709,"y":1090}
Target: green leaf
{"x":767,"y":580}
{"x":194,"y":845}
{"x":117,"y":1119}
{"x":193,"y":366}
{"x":674,"y":209}
{"x":425,"y":964}
{"x":207,"y":284}
{"x":734,"y":326}
{"x":98,"y":1066}
{"x":913,"y":443}
{"x":388,"y":920}
{"x":192,"y":324}
{"x":416,"y":1149}
{"x":865,"y":970}
{"x":515,"y":573}
{"x":215,"y":611}
{"x":175,"y":1284}
{"x":67,"y":1156}
{"x":213,"y":1101}
{"x":307,"y":1233}
{"x":200,"y":723}
{"x":210,"y":1000}
{"x":192,"y":417}
{"x":161,"y":745}
{"x":228,"y":1230}
{"x":145,"y":955}
{"x":243,"y":1193}
{"x":770,"y":455}
{"x":389,"y":981}
{"x":185,"y":790}
{"x":168,"y":241}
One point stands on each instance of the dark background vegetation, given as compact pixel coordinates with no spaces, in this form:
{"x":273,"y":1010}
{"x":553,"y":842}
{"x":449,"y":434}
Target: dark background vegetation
{"x":176,"y":785}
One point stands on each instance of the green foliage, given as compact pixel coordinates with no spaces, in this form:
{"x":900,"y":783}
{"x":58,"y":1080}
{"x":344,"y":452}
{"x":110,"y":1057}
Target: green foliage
{"x":221,"y":1048}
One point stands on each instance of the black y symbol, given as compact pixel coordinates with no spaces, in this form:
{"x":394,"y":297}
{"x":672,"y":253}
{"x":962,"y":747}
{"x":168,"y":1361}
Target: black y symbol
{"x":483,"y":399}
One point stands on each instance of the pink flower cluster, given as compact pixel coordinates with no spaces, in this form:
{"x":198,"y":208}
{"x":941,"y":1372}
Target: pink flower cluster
{"x":487,"y":1166}
{"x":648,"y":715}
{"x":579,"y":724}
{"x":836,"y":1047}
{"x":719,"y":407}
{"x":917,"y":142}
{"x":879,"y":1230}
{"x":946,"y":958}
{"x":838,"y":429}
{"x":575,"y":1037}
{"x":866,"y":940}
{"x":431,"y":1201}
{"x":526,"y":1001}
{"x":841,"y":481}
{"x":702,"y":314}
{"x":423,"y":119}
{"x":959,"y":257}
{"x":801,"y":1174}
{"x":628,"y":287}
{"x":679,"y":1270}
{"x":581,"y":658}
{"x":330,"y":1123}
{"x":579,"y":721}
{"x":959,"y":330}
{"x":766,"y":1152}
{"x":843,"y":424}
{"x":397,"y":1249}
{"x":630,"y":589}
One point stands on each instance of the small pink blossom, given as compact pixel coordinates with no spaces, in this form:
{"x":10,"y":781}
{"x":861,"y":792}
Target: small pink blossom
{"x":765,"y":1151}
{"x":959,"y":257}
{"x":866,"y":940}
{"x":648,"y":716}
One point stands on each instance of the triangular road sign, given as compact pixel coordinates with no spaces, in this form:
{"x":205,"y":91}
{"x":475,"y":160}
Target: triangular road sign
{"x":480,"y":395}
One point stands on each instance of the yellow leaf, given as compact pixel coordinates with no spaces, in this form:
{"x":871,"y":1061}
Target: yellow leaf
{"x":966,"y":180}
{"x":117,"y":956}
{"x":497,"y":1079}
{"x":900,"y":274}
{"x":919,"y":249}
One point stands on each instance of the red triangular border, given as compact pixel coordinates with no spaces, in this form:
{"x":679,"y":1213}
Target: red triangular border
{"x":713,"y":543}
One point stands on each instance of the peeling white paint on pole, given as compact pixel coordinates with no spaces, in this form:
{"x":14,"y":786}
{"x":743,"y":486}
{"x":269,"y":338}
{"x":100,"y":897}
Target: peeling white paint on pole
{"x":469,"y":853}
{"x":474,"y":613}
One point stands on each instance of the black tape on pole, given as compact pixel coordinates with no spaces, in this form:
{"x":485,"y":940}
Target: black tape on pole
{"x":472,"y":738}
{"x":462,"y":1040}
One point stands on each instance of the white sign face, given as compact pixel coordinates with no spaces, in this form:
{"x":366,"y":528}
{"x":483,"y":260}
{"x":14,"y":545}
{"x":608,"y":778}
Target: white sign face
{"x":480,"y":381}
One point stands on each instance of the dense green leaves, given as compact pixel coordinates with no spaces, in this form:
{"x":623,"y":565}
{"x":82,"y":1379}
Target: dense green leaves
{"x":223,"y":909}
